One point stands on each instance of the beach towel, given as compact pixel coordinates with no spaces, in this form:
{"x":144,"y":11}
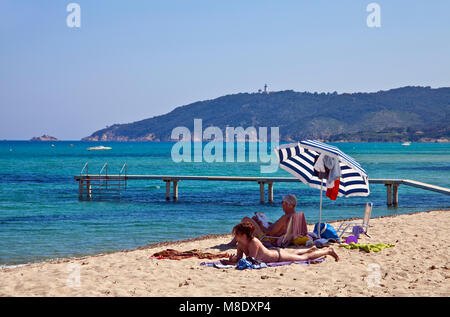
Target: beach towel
{"x":170,"y":254}
{"x":332,"y":193}
{"x":333,"y":165}
{"x":302,"y":240}
{"x":320,"y":243}
{"x":367,"y":247}
{"x":296,"y":228}
{"x":312,"y":236}
{"x":327,"y":167}
{"x":219,"y":265}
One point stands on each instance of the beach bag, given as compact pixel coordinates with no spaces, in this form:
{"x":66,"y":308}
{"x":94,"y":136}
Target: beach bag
{"x":326,"y":231}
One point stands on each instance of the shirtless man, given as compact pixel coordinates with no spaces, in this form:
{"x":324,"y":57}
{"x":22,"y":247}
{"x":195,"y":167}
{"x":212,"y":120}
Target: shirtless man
{"x":250,"y":246}
{"x":279,"y":227}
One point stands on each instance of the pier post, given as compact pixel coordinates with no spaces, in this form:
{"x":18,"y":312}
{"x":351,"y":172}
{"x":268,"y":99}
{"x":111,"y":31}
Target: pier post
{"x":270,"y":192}
{"x":261,"y":192}
{"x":395,"y":194}
{"x":389,"y":194}
{"x":167,"y":189}
{"x":175,"y":190}
{"x":88,"y":189}
{"x":80,"y":189}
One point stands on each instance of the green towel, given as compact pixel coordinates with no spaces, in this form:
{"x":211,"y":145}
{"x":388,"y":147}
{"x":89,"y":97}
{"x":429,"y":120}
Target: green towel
{"x":367,"y":247}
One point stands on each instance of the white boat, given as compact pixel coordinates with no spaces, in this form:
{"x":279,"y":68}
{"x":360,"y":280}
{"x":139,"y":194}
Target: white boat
{"x":406,"y":143}
{"x":99,"y":148}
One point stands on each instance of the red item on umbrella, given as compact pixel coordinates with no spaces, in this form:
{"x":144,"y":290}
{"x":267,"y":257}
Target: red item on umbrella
{"x":332,"y":193}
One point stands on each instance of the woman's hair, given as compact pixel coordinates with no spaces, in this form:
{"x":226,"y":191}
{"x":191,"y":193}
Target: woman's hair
{"x":246,"y":228}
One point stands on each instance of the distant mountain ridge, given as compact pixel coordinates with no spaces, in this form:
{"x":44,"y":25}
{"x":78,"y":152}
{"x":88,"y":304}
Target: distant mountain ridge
{"x":396,"y":115}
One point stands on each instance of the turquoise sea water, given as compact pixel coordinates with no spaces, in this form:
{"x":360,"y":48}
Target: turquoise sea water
{"x":41,"y":217}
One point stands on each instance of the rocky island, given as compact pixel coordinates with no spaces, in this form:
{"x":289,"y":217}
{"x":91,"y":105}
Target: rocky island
{"x":44,"y":137}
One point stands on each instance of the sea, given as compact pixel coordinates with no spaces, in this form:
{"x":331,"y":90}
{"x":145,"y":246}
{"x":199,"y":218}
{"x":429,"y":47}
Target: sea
{"x":42,"y":218}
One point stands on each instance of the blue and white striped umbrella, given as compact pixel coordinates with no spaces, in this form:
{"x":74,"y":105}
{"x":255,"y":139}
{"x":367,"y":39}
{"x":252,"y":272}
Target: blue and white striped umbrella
{"x":298,"y":160}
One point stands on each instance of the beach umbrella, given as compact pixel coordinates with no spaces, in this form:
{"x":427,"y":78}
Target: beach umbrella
{"x":299,"y":158}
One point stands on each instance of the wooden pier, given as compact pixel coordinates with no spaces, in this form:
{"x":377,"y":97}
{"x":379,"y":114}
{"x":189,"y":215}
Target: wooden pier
{"x":103,"y":184}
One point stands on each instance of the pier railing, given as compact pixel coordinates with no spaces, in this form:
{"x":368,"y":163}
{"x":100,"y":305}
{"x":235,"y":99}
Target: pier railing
{"x":86,"y":183}
{"x":101,"y":185}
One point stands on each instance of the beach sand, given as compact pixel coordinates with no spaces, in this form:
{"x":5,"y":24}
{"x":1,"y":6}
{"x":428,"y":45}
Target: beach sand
{"x":418,"y":265}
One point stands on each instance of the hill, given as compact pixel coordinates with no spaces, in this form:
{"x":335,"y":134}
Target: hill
{"x":396,"y":115}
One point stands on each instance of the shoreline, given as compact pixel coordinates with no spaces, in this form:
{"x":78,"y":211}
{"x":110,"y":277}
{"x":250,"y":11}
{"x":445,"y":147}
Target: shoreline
{"x":169,"y":243}
{"x":417,"y":265}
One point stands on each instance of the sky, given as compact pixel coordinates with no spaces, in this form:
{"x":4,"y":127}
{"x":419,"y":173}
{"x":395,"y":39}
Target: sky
{"x":131,"y":60}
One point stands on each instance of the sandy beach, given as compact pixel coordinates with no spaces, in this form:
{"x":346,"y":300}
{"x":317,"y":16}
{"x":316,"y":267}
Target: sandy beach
{"x":418,"y":265}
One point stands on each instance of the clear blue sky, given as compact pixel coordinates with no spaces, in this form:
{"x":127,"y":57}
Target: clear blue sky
{"x":132,"y":60}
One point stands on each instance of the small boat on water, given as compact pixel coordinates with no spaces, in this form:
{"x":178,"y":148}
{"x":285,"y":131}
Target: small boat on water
{"x":99,"y":148}
{"x":406,"y":143}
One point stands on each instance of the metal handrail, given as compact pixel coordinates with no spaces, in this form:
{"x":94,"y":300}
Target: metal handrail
{"x":120,"y":173}
{"x":101,"y":182}
{"x":123,"y":167}
{"x":104,"y":166}
{"x":106,"y":179}
{"x":86,"y":166}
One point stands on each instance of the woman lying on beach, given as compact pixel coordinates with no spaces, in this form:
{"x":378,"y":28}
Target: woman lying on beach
{"x":252,"y":247}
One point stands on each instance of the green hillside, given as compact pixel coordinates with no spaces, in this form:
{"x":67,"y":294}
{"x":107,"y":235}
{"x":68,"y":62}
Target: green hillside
{"x":408,"y":113}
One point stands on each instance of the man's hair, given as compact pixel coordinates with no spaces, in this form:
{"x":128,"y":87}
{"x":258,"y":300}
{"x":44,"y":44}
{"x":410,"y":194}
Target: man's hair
{"x":246,"y":228}
{"x":291,"y":200}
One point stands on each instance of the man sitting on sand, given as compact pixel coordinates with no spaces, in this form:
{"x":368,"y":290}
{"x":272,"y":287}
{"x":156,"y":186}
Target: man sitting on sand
{"x":275,"y":229}
{"x":252,"y":247}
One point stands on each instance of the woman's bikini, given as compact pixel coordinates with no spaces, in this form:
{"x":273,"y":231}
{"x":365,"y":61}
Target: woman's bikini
{"x":266,"y":254}
{"x":279,"y":252}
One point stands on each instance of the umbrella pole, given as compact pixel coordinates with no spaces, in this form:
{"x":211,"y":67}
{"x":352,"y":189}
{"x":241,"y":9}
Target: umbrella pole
{"x":320,"y":208}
